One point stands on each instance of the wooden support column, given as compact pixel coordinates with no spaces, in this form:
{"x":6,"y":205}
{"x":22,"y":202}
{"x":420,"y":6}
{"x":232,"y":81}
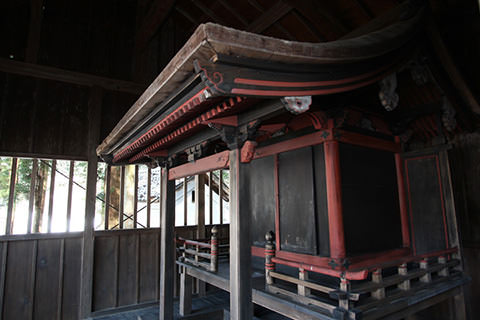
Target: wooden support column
{"x":70,"y":193}
{"x":200,"y":211}
{"x":86,"y":276}
{"x":11,"y":196}
{"x":402,"y":197}
{"x":240,"y":250}
{"x":167,"y":246}
{"x":31,"y":199}
{"x":185,"y":303}
{"x":334,"y":200}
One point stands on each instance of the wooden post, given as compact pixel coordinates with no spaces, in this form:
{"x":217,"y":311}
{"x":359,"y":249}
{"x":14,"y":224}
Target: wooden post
{"x":107,"y":196}
{"x":377,"y":278}
{"x":220,"y":194}
{"x":52,"y":192}
{"x":185,"y":201}
{"x":31,"y":199}
{"x":70,"y":192}
{"x":11,"y":196}
{"x":403,"y":271}
{"x":86,"y":275}
{"x":185,"y":303}
{"x":269,"y":254}
{"x":149,"y":195}
{"x":443,"y":261}
{"x":427,"y":277}
{"x":302,"y":290}
{"x":345,"y":287}
{"x":135,"y":198}
{"x":240,"y":249}
{"x":122,"y":197}
{"x":200,"y":211}
{"x":334,"y":200}
{"x":167,"y":246}
{"x":402,"y":199}
{"x":214,"y":250}
{"x":210,"y":192}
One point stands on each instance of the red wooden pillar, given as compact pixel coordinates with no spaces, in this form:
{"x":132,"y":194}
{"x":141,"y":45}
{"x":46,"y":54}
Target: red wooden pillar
{"x":402,"y":198}
{"x":334,"y":200}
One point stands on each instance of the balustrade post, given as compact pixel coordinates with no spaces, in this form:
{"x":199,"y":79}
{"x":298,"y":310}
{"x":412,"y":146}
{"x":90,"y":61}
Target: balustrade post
{"x":403,"y":271}
{"x":269,"y":254}
{"x":214,"y":250}
{"x":377,"y":278}
{"x":444,"y":272}
{"x":427,"y":277}
{"x":303,"y":275}
{"x":345,"y":287}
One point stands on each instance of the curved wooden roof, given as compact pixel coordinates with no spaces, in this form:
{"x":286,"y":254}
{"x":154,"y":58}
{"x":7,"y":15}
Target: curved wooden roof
{"x":211,"y":44}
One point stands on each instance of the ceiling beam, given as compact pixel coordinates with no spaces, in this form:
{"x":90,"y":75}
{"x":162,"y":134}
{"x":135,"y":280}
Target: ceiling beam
{"x":212,"y":15}
{"x":153,"y":20}
{"x":56,"y":74}
{"x":314,"y":11}
{"x":269,"y":17}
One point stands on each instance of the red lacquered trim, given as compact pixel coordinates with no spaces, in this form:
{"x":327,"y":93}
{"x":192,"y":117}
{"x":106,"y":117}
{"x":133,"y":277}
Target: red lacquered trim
{"x":355,"y":275}
{"x":305,"y":258}
{"x":258,"y":251}
{"x":334,"y":200}
{"x":293,"y":144}
{"x":366,"y":141}
{"x":443,"y":202}
{"x":402,"y":198}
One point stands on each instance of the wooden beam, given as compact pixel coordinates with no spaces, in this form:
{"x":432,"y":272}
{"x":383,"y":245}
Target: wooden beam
{"x":135,"y":198}
{"x":149,"y":195}
{"x":200,"y":205}
{"x":213,"y":162}
{"x":154,"y":19}
{"x":212,"y":15}
{"x":86,"y":275}
{"x":315,"y":11}
{"x":61,"y":75}
{"x":241,"y":307}
{"x":122,"y":197}
{"x":269,"y":17}
{"x":185,"y":201}
{"x":167,"y":246}
{"x":379,"y":22}
{"x":451,"y":69}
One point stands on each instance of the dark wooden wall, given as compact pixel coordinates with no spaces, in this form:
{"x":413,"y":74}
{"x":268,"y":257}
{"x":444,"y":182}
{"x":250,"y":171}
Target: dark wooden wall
{"x":465,"y":165}
{"x":40,"y":273}
{"x":40,"y":276}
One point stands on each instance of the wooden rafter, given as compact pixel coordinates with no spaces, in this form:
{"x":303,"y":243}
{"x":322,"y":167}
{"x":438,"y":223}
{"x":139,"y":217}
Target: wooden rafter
{"x":313,"y":11}
{"x":56,"y":74}
{"x":269,"y":17}
{"x":153,"y":20}
{"x":212,"y":15}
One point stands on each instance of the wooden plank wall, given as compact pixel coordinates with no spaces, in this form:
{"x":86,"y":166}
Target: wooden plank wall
{"x":465,"y":172}
{"x":40,"y":273}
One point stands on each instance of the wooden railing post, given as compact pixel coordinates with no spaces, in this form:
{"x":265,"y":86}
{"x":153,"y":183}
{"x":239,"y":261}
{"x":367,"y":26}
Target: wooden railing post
{"x":427,"y":277}
{"x":444,"y":272}
{"x":185,"y":303}
{"x":403,"y":271}
{"x":303,"y":275}
{"x":214,"y":250}
{"x":345,"y":287}
{"x":377,"y":278}
{"x":269,"y":254}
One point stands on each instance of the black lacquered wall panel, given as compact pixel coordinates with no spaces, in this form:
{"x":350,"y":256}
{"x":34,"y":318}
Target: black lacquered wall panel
{"x":260,"y":197}
{"x":371,"y":213}
{"x":425,"y":204}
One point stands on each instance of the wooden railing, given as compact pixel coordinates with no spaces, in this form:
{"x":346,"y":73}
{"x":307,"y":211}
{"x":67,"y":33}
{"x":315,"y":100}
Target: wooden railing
{"x":201,"y":254}
{"x":360,"y":291}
